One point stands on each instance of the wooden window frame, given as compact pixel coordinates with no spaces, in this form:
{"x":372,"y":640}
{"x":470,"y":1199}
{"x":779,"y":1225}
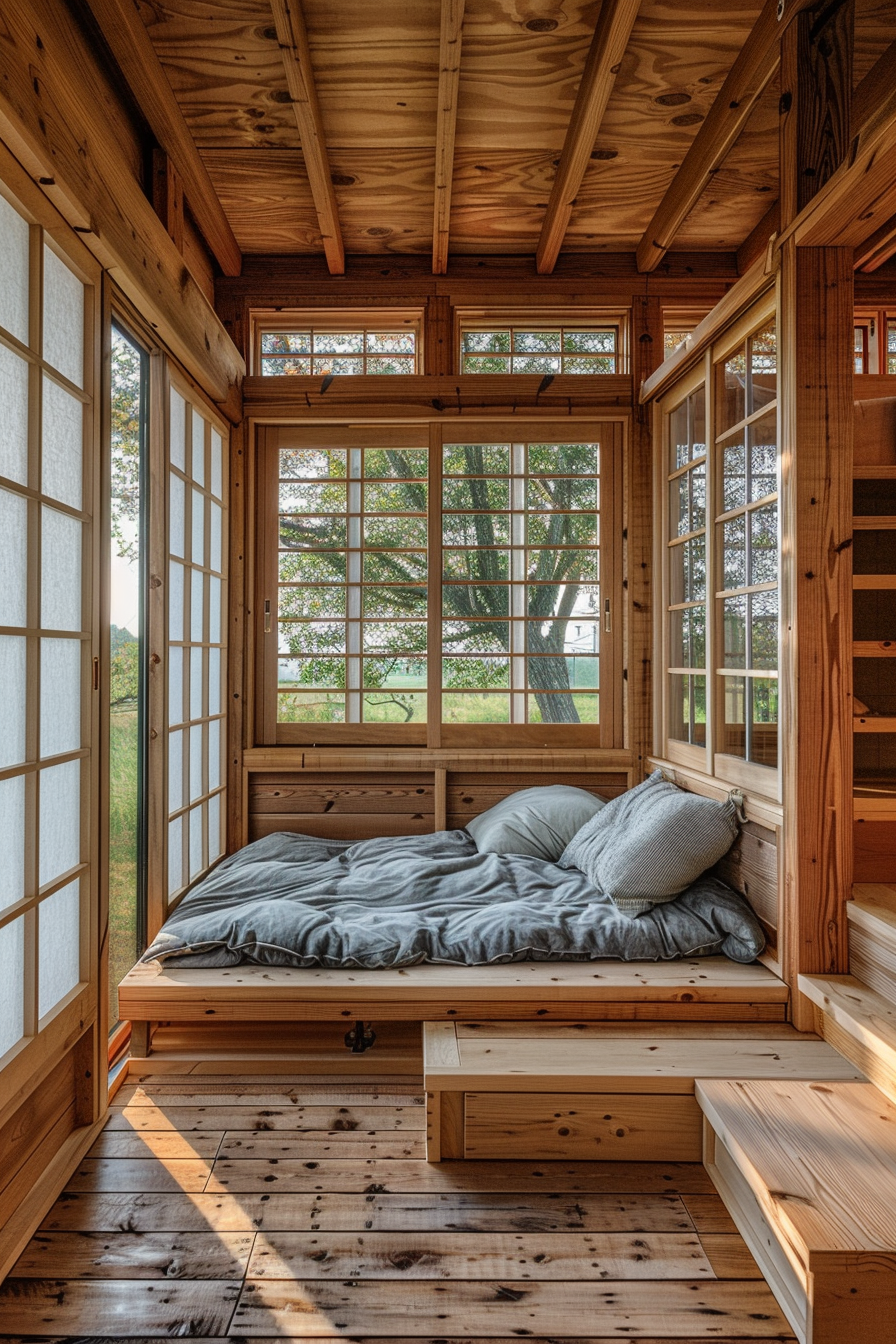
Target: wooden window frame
{"x":434,"y":734}
{"x":876,"y":322}
{"x":329,"y":320}
{"x":45,"y":1040}
{"x":760,"y":781}
{"x":571,"y":319}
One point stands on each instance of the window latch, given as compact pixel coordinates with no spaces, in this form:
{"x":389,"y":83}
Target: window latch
{"x":267,"y":615}
{"x":608,"y":620}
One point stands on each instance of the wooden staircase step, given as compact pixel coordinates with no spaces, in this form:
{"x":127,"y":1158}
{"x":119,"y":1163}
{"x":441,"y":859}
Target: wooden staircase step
{"x":807,"y":1171}
{"x":859,"y":1022}
{"x":872,"y":936}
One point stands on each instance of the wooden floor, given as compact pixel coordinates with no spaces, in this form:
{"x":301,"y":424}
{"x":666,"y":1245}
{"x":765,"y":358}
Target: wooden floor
{"x":267,"y":1207}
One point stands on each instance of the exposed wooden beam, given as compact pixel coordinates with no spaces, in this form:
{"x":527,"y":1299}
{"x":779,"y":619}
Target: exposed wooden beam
{"x":611,"y":35}
{"x":292,"y":36}
{"x":874,"y":88}
{"x":877,"y":249}
{"x":450,"y":40}
{"x":52,"y":117}
{"x":746,"y":80}
{"x":135,"y":54}
{"x":168,"y":196}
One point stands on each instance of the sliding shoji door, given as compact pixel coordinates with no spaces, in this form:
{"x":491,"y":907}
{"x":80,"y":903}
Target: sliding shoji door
{"x":188,"y":724}
{"x":49,"y":911}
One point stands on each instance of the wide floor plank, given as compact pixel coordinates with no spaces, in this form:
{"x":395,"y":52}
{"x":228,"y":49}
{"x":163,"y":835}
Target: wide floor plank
{"x":729,"y":1256}
{"x":162,"y":1114}
{"x":239,"y":1145}
{"x":681,"y":1310}
{"x":461,"y":1211}
{"x":231,"y":1093}
{"x":116,"y":1307}
{"x":135,"y":1255}
{"x":373,"y":1177}
{"x":466,"y":1255}
{"x":140,"y":1174}
{"x":161,"y":1144}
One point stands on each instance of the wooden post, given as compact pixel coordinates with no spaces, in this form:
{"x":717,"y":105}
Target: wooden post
{"x":168,"y":197}
{"x":816,"y":399}
{"x":815,"y":372}
{"x":439,"y":355}
{"x":647,"y":355}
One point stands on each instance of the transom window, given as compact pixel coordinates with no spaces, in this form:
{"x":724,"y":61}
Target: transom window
{"x":540,"y":348}
{"x":418,"y":584}
{"x":312,"y":349}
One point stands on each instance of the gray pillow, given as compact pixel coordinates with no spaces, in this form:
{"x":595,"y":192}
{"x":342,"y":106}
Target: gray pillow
{"x":651,"y":843}
{"x":540,"y":822}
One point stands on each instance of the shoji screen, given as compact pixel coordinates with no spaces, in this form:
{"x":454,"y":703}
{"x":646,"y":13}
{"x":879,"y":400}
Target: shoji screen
{"x":197,"y":625}
{"x":48,"y":368}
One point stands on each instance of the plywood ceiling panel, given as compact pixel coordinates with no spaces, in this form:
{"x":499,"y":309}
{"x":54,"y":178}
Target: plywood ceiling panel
{"x":376,"y":67}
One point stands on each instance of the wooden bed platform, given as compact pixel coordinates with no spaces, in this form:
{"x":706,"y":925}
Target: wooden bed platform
{"x":704,"y":989}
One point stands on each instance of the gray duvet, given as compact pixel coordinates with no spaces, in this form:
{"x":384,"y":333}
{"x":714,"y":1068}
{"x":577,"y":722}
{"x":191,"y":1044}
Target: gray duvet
{"x":296,"y":900}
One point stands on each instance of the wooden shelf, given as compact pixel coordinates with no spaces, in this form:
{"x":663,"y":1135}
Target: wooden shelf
{"x":874,"y":522}
{"x":874,"y":648}
{"x":871,"y":724}
{"x":872,"y":473}
{"x":880,"y":581}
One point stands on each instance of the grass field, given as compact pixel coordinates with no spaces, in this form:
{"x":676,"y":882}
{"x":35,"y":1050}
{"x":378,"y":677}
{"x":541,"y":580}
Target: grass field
{"x":122,"y":850}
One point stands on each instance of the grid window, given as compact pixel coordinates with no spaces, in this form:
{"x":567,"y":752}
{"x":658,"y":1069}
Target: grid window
{"x":545,"y":349}
{"x":196,"y":644}
{"x":352,"y":584}
{"x":520,"y":593}
{"x":687,"y":570}
{"x":746,"y":525}
{"x":46,"y":671}
{"x":891,"y":345}
{"x":358,"y":351}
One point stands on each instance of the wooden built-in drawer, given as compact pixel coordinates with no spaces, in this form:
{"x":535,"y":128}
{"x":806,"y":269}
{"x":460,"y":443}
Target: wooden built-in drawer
{"x":609,"y":1127}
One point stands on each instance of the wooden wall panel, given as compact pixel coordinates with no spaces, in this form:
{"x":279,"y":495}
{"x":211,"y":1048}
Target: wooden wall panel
{"x":341,"y":806}
{"x":875,"y":851}
{"x":468,"y":794}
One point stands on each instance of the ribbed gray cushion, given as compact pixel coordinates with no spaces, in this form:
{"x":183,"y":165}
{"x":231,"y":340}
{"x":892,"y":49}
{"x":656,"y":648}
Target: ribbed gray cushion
{"x":651,"y":843}
{"x":540,"y":822}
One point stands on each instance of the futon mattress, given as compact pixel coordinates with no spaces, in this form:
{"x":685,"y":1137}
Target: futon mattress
{"x":297,"y":900}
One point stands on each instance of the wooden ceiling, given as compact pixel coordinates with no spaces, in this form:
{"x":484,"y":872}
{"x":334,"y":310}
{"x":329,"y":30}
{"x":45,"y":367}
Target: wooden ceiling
{"x":375,"y":75}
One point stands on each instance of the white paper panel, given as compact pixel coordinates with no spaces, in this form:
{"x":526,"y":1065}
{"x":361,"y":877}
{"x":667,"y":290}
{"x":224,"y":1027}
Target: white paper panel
{"x":175,"y":601}
{"x":196,"y":864}
{"x":177,"y":541}
{"x":58,"y":946}
{"x":214,"y":681}
{"x":176,"y":444}
{"x":198,"y":537}
{"x":214,"y":828}
{"x":175,"y":771}
{"x":13,"y":558}
{"x":216,"y":484}
{"x":63,"y":319}
{"x":214,"y":611}
{"x":198,"y":448}
{"x":175,"y":685}
{"x":12,"y":841}
{"x":14,"y":400}
{"x":63,"y":433}
{"x":175,"y":855}
{"x":13,"y":273}
{"x":12,"y":984}
{"x":215,"y":518}
{"x":214,"y":754}
{"x":60,"y":696}
{"x":60,"y":820}
{"x":196,"y":669}
{"x":196,"y":762}
{"x":12,"y":700}
{"x":60,"y":587}
{"x":197,"y":606}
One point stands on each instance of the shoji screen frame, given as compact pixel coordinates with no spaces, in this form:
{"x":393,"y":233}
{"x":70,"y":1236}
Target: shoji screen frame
{"x":74,"y":1021}
{"x":165,"y":377}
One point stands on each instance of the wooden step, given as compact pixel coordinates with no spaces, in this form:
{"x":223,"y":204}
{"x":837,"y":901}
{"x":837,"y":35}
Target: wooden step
{"x":807,"y":1171}
{"x":872,"y":936}
{"x":545,"y":1091}
{"x":859,"y":1022}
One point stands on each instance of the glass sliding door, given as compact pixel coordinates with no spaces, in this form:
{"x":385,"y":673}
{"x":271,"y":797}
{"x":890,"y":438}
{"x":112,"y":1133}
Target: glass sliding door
{"x":127,"y":870}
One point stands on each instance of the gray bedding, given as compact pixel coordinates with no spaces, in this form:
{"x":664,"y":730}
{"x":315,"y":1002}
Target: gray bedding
{"x":296,"y":900}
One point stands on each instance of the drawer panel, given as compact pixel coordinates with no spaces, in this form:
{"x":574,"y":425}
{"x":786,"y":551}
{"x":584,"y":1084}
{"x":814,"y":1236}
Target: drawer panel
{"x":602,"y":1126}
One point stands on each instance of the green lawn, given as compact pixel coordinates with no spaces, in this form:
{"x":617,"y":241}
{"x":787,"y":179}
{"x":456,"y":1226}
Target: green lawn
{"x":122,"y":850}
